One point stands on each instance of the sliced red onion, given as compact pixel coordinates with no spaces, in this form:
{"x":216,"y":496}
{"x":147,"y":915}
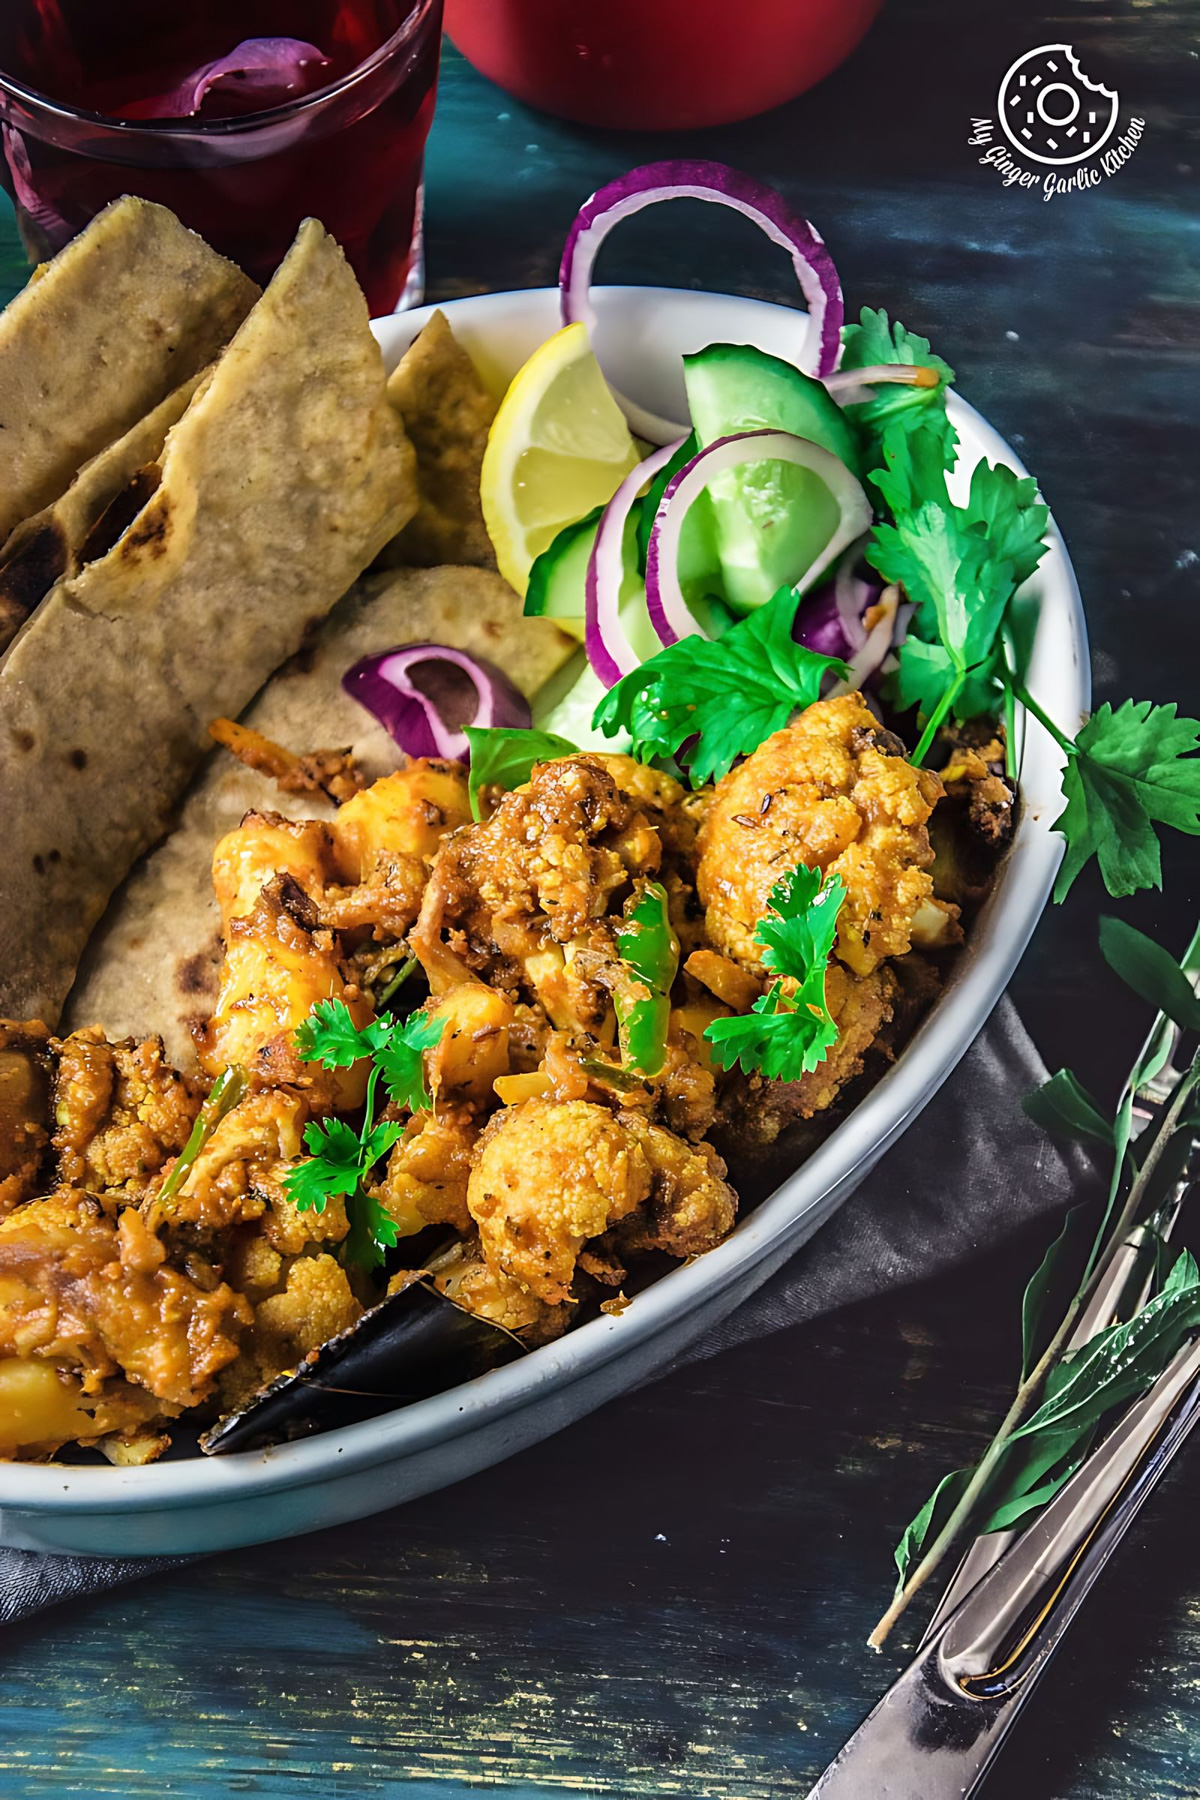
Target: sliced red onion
{"x":386,"y":685}
{"x":727,"y":187}
{"x":868,"y":660}
{"x":848,"y":384}
{"x":830,"y":620}
{"x":853,"y":596}
{"x":608,"y":647}
{"x":258,"y":65}
{"x":669,"y":611}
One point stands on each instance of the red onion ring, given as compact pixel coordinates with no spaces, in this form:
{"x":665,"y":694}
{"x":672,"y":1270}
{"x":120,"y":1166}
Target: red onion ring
{"x":383,"y":684}
{"x":870,"y":658}
{"x":605,"y":639}
{"x":669,"y":612}
{"x":726,"y":187}
{"x":852,"y":595}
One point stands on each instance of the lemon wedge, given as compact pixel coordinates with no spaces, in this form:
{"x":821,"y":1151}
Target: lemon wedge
{"x":558,"y":447}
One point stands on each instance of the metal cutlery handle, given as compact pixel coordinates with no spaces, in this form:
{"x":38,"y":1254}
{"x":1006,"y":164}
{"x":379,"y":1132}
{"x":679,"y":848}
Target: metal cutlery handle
{"x":935,"y":1733}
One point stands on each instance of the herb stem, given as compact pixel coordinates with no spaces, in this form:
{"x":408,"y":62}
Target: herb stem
{"x":960,"y":1517}
{"x":935,"y":718}
{"x":1027,"y":700}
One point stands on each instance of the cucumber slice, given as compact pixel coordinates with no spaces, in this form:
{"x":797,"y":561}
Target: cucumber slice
{"x":556,"y":580}
{"x":734,"y":387}
{"x":771,"y":520}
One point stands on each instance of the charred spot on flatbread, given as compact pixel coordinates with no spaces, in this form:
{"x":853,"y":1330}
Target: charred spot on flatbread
{"x":27,"y":574}
{"x":119,"y":515}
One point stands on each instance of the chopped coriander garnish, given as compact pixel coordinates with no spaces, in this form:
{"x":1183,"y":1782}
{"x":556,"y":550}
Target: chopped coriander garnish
{"x":786,"y":1035}
{"x":341,"y":1159}
{"x":707,"y":703}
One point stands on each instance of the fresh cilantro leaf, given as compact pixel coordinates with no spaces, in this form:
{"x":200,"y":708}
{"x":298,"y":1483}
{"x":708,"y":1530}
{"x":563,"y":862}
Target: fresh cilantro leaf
{"x":399,"y":1060}
{"x":876,"y":339}
{"x":785,"y":1035}
{"x":1127,"y":771}
{"x":340,"y":1159}
{"x":330,"y":1037}
{"x":334,"y":1166}
{"x":1005,"y":505}
{"x":1151,"y":972}
{"x":947,"y":570}
{"x":924,"y":672}
{"x":914,"y":469}
{"x":728,"y":697}
{"x":506,"y":757}
{"x":372,"y":1232}
{"x":1063,"y":1107}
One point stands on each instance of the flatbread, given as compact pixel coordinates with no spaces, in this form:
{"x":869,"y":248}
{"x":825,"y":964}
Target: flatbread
{"x":154,"y":962}
{"x":49,"y":545}
{"x":284,"y":478}
{"x":127,"y":311}
{"x":447,"y":412}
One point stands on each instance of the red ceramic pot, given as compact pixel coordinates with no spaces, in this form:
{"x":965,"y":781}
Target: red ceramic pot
{"x":657,"y":64}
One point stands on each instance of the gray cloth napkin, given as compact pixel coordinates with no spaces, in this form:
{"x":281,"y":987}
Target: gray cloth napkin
{"x":916,"y":1215}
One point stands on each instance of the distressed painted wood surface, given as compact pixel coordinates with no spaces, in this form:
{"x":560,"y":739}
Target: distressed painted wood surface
{"x":672,"y":1597}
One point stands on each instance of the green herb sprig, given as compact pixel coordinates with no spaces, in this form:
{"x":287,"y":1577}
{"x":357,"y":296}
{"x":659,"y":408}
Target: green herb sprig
{"x":708,"y":703}
{"x":785,"y":1036}
{"x":341,"y":1159}
{"x":1064,"y":1400}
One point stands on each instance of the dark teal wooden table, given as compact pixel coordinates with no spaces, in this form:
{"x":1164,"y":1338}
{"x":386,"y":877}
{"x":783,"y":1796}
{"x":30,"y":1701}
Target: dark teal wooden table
{"x":672,"y":1598}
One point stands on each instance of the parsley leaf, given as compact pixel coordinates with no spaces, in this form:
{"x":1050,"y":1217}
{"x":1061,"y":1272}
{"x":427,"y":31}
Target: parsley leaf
{"x":399,"y":1060}
{"x":727,"y":696}
{"x":947,"y":568}
{"x":330,"y":1037}
{"x":1125,"y":774}
{"x":335,"y":1166}
{"x":341,"y":1159}
{"x":876,"y":339}
{"x":506,"y":756}
{"x":372,"y":1232}
{"x":914,"y":469}
{"x":1007,"y":508}
{"x":787,"y":1034}
{"x":924,"y":672}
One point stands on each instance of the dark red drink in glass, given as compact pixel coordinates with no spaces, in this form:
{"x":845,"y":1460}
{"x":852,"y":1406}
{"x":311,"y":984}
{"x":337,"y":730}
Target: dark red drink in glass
{"x":243,"y":116}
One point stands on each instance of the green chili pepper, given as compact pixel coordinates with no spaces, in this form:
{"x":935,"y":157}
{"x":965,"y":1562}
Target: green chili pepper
{"x":650,"y":954}
{"x":224,"y":1095}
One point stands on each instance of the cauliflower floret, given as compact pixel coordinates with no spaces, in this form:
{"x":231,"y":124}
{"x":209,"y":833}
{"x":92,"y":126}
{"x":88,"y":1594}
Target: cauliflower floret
{"x":492,"y":1295}
{"x":691,"y":1205}
{"x":549,"y":1175}
{"x":427,"y":1172}
{"x":835,"y":791}
{"x":119,"y":1111}
{"x":542,"y":870}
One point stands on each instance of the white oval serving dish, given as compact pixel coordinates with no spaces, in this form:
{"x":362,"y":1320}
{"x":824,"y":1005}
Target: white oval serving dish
{"x":204,"y":1504}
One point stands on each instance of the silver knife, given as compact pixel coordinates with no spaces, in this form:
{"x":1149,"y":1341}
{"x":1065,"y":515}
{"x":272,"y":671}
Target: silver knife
{"x":936,"y":1732}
